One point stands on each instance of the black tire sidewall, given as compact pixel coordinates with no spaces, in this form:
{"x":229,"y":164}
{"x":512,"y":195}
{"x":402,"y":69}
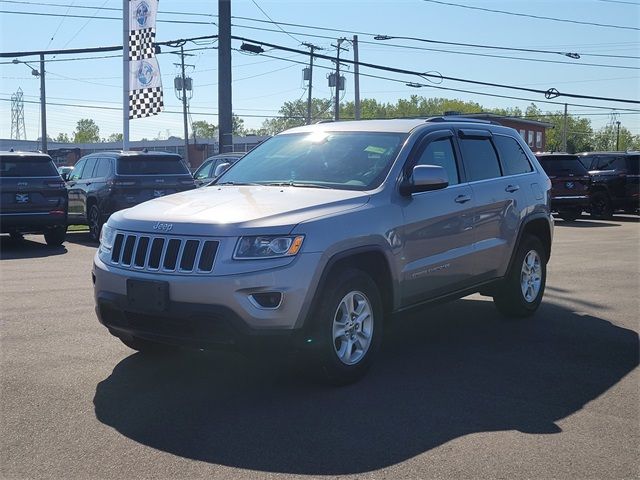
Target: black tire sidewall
{"x":604,"y":210}
{"x":339,"y":285}
{"x":55,"y":236}
{"x":95,"y":211}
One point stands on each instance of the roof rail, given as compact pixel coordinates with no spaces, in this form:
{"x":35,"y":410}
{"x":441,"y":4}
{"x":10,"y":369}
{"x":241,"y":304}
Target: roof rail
{"x":455,"y":118}
{"x":324,"y":121}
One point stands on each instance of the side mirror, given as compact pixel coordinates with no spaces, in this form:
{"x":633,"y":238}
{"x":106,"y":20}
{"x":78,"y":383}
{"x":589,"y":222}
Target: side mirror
{"x":425,"y":178}
{"x":65,"y":176}
{"x":220,"y":169}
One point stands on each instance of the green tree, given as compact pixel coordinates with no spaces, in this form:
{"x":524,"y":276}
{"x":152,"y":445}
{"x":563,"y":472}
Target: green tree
{"x":294,"y":114}
{"x":607,"y":137}
{"x":86,"y":131}
{"x":114,"y":137}
{"x":203,"y":129}
{"x":62,"y":138}
{"x":237,"y":125}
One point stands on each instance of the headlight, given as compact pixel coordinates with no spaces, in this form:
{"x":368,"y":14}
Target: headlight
{"x":268,"y":246}
{"x":107,"y":236}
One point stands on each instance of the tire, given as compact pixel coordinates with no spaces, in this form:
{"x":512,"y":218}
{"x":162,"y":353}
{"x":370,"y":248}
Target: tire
{"x":146,"y":346}
{"x":601,"y":206}
{"x":350,"y":302}
{"x":568,"y":215}
{"x":522,"y":289}
{"x":95,"y":223}
{"x":55,"y":236}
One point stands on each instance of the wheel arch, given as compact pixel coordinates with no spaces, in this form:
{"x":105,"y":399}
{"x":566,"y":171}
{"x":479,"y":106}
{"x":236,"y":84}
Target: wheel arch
{"x":538,"y":226}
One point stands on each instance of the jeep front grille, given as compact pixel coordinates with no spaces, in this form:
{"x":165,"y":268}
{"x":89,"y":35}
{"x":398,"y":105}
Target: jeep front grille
{"x":163,"y":254}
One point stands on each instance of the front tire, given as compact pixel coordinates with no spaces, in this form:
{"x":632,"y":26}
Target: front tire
{"x":569,"y":215}
{"x":601,"y":206}
{"x":523,"y":287}
{"x":349,"y":325}
{"x":56,"y":236}
{"x":145,"y":346}
{"x":95,"y":223}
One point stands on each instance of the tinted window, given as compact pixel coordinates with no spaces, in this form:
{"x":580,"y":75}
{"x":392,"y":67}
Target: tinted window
{"x":77,"y":169}
{"x":103,"y":169}
{"x":87,"y":172}
{"x":150,"y":165}
{"x":612,"y":163}
{"x":586,"y":161}
{"x":344,"y":160}
{"x":557,"y":166}
{"x":479,"y":158}
{"x":633,"y":164}
{"x":12,"y":166}
{"x":514,"y":160}
{"x":440,"y":152}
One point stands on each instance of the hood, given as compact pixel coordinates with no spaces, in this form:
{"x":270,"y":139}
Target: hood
{"x":233,"y":210}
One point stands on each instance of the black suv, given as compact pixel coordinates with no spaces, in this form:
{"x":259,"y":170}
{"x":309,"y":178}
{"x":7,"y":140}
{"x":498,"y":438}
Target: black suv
{"x":33,"y":198}
{"x":615,"y":178}
{"x":105,"y":182}
{"x":569,"y":184}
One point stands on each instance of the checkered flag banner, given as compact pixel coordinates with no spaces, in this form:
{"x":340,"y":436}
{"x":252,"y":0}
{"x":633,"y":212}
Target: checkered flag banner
{"x":145,"y":83}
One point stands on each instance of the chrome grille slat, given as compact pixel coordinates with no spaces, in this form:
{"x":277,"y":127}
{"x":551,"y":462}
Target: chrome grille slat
{"x":193,"y":253}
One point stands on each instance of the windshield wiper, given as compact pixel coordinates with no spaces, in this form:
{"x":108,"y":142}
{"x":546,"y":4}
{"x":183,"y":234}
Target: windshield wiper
{"x":295,"y":184}
{"x":234,"y":183}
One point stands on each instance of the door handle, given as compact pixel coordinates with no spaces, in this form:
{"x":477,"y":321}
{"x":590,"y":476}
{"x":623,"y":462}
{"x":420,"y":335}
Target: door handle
{"x":462,"y":198}
{"x":88,"y":183}
{"x":512,"y":188}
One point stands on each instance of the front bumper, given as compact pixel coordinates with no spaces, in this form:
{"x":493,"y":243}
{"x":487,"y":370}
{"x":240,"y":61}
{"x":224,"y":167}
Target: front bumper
{"x":207,"y":310}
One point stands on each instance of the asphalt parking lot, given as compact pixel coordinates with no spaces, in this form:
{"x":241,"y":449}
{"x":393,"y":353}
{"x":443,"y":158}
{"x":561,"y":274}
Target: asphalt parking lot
{"x":457,"y":392}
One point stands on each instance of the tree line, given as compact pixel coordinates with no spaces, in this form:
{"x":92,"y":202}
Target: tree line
{"x":581,"y":135}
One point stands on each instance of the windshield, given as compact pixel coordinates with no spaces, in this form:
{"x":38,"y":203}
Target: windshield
{"x":150,"y":165}
{"x":19,"y":166}
{"x":342,"y":160}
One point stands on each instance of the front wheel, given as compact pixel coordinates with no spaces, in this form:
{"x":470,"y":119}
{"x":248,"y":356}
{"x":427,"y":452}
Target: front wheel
{"x":349,"y":325}
{"x":601,"y":206}
{"x":55,"y":236}
{"x":95,"y":223}
{"x":523,"y":287}
{"x":569,"y":215}
{"x":145,"y":346}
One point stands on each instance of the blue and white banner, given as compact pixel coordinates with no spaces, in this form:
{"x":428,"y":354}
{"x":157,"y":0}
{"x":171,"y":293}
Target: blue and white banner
{"x":145,"y":83}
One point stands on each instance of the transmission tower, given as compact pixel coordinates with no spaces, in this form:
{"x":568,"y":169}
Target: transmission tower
{"x":17,"y":116}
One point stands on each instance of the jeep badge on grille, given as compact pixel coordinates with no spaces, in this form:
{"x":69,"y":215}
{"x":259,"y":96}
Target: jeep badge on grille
{"x":165,"y":227}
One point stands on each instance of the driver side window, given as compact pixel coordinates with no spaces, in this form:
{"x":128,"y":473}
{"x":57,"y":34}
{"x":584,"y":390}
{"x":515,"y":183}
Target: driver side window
{"x":440,"y":152}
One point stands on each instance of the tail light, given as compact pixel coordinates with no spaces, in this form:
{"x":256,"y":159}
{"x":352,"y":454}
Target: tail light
{"x":56,"y":212}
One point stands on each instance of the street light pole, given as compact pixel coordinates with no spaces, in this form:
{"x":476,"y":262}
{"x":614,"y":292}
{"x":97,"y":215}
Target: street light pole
{"x":43,"y":105}
{"x":618,"y":136}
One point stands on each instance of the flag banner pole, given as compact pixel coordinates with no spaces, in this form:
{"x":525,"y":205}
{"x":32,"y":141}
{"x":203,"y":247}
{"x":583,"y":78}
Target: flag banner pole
{"x":125,"y":75}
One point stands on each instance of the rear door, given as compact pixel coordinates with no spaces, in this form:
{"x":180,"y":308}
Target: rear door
{"x":438,"y":234}
{"x":30,"y":184}
{"x":75,"y":211}
{"x":499,"y":201}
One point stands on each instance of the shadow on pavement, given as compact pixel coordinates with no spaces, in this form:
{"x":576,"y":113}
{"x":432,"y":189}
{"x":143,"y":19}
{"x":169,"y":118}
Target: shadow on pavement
{"x":31,"y":246}
{"x":81,"y":238}
{"x":444,"y":372}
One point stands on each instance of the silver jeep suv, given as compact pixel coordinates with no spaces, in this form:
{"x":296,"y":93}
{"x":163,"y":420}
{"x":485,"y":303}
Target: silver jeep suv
{"x":319,"y":235}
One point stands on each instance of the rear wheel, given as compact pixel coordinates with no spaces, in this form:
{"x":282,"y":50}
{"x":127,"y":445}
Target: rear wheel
{"x":569,"y":215}
{"x":349,"y":326}
{"x":601,"y":206}
{"x":95,"y":223}
{"x":522,"y":289}
{"x":55,"y":236}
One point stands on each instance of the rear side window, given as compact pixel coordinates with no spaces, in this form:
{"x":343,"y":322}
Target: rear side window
{"x":558,"y":166}
{"x":440,"y":152}
{"x":13,"y":166}
{"x":479,"y":158}
{"x":103,"y":169}
{"x":586,"y":161}
{"x":633,"y":164}
{"x":150,"y":165}
{"x":514,"y":160}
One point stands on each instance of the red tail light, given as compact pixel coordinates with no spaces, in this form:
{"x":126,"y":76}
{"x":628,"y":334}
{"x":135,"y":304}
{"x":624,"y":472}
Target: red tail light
{"x":56,"y":212}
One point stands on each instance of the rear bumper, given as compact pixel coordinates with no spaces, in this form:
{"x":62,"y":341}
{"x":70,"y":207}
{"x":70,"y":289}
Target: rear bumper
{"x":569,"y":202}
{"x":34,"y":222}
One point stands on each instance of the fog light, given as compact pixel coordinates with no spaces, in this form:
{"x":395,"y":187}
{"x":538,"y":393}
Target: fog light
{"x":270,"y":300}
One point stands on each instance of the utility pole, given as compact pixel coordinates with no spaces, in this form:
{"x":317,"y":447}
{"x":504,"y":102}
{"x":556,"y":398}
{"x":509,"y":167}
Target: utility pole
{"x":225,"y":115}
{"x":564,"y":130}
{"x":356,"y":78}
{"x":184,"y":84}
{"x":43,"y":105}
{"x":311,"y":47}
{"x":336,"y":114}
{"x":618,"y":135}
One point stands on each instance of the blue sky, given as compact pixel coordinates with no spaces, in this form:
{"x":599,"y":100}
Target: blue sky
{"x":261,"y":84}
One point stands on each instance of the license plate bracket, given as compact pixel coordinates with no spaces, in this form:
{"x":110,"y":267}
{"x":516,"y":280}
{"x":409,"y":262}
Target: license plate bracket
{"x":149,"y":295}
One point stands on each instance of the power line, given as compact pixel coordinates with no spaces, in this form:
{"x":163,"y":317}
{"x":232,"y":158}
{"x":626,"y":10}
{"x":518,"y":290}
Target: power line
{"x":103,"y":8}
{"x":538,"y":17}
{"x":42,"y":14}
{"x":474,"y":54}
{"x":275,"y":23}
{"x":619,"y":1}
{"x":550,"y":93}
{"x":85,"y":24}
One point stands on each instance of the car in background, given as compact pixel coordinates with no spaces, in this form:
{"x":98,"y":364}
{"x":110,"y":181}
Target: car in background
{"x":615,"y":182}
{"x":103,"y":183}
{"x":207,"y":171}
{"x":33,"y":197}
{"x":65,"y":171}
{"x":570,"y":184}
